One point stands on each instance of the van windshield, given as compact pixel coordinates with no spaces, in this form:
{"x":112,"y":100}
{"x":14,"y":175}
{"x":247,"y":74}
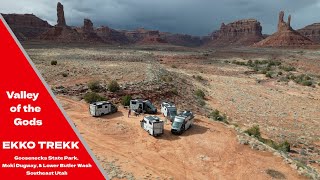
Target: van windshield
{"x":150,"y":105}
{"x":172,"y":113}
{"x":176,"y":125}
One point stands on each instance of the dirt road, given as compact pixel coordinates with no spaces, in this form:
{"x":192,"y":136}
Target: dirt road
{"x":208,"y":150}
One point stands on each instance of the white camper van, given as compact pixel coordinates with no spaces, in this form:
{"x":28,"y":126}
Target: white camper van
{"x":153,"y":125}
{"x":145,"y":105}
{"x":102,"y":108}
{"x":168,"y":110}
{"x":182,"y":122}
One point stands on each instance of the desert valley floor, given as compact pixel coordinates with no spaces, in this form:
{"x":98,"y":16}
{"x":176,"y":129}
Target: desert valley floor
{"x":277,"y":89}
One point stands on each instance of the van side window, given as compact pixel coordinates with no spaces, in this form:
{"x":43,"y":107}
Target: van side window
{"x":133,"y":102}
{"x":150,"y":123}
{"x":99,"y":106}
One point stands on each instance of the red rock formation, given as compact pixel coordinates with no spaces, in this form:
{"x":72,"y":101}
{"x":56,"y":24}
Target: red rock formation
{"x":111,"y":36}
{"x":26,"y":26}
{"x":143,"y":36}
{"x":87,"y":26}
{"x":312,"y":32}
{"x":61,"y":32}
{"x":182,"y":39}
{"x":239,"y":33}
{"x":60,"y":15}
{"x":285,"y":36}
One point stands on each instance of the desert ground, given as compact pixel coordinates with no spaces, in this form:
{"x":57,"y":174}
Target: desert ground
{"x":285,"y":107}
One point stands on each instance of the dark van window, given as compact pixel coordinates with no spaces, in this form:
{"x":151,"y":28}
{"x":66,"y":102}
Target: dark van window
{"x":99,"y":106}
{"x":133,"y":102}
{"x":150,"y":123}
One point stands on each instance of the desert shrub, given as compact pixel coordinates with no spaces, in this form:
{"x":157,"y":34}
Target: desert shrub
{"x":275,"y":174}
{"x":280,"y":73}
{"x":303,"y":79}
{"x":113,"y":86}
{"x":93,"y":97}
{"x":166,"y":78}
{"x":284,"y":147}
{"x":215,"y":115}
{"x":174,"y":91}
{"x":199,"y":78}
{"x":94,"y":86}
{"x":125,"y":100}
{"x":174,"y":66}
{"x":273,"y":63}
{"x":201,"y":102}
{"x":307,"y":83}
{"x":65,"y":74}
{"x":239,"y":63}
{"x":263,"y":71}
{"x":54,"y":63}
{"x":287,"y":68}
{"x":269,"y":74}
{"x":319,"y":84}
{"x":261,"y":62}
{"x":200,"y":94}
{"x":254,"y":131}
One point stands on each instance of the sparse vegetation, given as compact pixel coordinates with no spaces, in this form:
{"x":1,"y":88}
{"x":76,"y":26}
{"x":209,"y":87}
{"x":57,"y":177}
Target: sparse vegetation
{"x":301,"y":79}
{"x":255,"y":132}
{"x":54,"y":63}
{"x":65,"y":74}
{"x":269,"y":74}
{"x":174,"y":91}
{"x":166,"y":78}
{"x":113,"y":86}
{"x":94,"y":86}
{"x":92,"y":97}
{"x":287,"y":68}
{"x":174,"y":66}
{"x":275,"y":174}
{"x":199,"y":78}
{"x":200,"y":94}
{"x":215,"y":115}
{"x":125,"y":100}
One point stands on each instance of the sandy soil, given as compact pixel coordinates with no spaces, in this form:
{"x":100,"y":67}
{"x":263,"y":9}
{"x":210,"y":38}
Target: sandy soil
{"x":209,"y":150}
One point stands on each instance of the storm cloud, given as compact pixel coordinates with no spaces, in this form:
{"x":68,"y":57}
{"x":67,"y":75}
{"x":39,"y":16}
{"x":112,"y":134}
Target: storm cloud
{"x":196,"y":17}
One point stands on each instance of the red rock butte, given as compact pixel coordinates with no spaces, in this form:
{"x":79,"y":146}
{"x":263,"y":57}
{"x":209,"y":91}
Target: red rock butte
{"x":285,"y":36}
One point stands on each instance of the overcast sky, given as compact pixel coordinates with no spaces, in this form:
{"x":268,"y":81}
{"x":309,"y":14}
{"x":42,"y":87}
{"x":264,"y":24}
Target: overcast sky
{"x":196,"y":17}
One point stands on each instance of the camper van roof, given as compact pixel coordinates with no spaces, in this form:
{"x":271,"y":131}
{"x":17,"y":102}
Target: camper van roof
{"x":185,"y":113}
{"x":168,"y":104}
{"x":101,"y":103}
{"x":152,"y":118}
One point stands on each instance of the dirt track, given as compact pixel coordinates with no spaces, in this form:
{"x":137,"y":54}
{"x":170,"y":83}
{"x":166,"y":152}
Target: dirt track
{"x":208,"y":150}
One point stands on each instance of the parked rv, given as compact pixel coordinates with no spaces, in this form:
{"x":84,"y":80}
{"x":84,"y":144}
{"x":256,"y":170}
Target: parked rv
{"x":168,"y":110}
{"x":102,"y":108}
{"x":144,"y":105}
{"x":153,"y":125}
{"x":182,"y":122}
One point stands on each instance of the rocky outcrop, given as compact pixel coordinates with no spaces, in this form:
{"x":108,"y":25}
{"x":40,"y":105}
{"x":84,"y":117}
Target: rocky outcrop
{"x":240,"y":33}
{"x":26,"y":26}
{"x":143,"y":36}
{"x":61,"y":32}
{"x":111,"y":36}
{"x":87,"y":26}
{"x":312,"y":32}
{"x":61,"y":21}
{"x":285,"y":36}
{"x":182,"y":39}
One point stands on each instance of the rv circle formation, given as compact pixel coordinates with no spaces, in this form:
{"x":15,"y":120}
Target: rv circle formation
{"x":152,"y":124}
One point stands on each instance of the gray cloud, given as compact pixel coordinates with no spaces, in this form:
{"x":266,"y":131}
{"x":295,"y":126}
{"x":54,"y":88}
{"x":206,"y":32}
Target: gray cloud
{"x":197,"y":17}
